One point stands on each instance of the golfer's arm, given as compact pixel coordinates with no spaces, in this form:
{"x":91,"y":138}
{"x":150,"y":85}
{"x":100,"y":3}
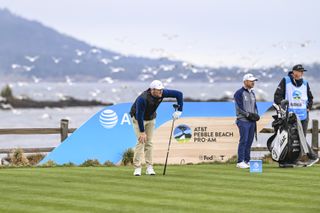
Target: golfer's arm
{"x":256,"y":107}
{"x":310,"y":98}
{"x":239,"y":104}
{"x":140,"y":111}
{"x":174,"y":94}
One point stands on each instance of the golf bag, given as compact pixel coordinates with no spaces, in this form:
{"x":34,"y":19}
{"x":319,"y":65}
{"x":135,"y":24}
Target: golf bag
{"x":288,"y":141}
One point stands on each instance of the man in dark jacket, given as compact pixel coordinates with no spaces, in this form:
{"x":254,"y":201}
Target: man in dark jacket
{"x":143,"y":113}
{"x":247,"y":116}
{"x":297,"y":91}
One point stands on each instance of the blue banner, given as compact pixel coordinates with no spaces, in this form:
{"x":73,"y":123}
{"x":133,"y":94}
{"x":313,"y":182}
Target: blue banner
{"x":107,"y":134}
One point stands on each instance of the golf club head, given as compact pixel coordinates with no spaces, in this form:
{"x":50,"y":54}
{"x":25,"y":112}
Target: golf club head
{"x":278,"y":110}
{"x":276,"y":106}
{"x":176,"y":106}
{"x":284,"y":104}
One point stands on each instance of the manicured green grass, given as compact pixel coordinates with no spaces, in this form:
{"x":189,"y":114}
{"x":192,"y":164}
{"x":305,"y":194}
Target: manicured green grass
{"x":189,"y":188}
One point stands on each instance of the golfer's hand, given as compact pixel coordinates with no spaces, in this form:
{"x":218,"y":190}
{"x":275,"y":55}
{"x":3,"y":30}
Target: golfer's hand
{"x":176,"y":114}
{"x":142,"y":137}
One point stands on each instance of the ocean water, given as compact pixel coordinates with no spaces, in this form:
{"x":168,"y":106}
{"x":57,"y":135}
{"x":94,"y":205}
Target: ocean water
{"x":119,"y":92}
{"x":116,"y":92}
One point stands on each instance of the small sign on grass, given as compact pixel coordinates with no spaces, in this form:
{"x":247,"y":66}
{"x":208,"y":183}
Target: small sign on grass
{"x":256,"y":166}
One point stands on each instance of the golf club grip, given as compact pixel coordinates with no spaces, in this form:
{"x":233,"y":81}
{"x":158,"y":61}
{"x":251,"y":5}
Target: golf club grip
{"x":165,"y":164}
{"x":176,"y":106}
{"x":287,"y":116}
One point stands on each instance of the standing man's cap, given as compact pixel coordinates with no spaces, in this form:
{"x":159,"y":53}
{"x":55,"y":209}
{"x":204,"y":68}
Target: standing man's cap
{"x":249,"y":77}
{"x":156,"y":84}
{"x":298,"y":67}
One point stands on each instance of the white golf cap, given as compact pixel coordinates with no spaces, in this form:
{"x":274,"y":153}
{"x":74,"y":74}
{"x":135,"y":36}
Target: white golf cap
{"x":249,"y":77}
{"x":156,"y":84}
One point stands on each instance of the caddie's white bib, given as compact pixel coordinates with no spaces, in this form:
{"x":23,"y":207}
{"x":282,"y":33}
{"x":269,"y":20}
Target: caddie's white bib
{"x":297,"y":97}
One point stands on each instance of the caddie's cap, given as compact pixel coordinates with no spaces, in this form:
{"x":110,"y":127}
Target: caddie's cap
{"x":298,"y":67}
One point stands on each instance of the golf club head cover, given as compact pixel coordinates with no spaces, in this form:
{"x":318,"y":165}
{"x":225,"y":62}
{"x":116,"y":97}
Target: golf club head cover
{"x":176,"y":114}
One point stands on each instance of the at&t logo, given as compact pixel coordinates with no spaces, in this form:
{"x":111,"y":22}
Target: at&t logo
{"x":108,"y":118}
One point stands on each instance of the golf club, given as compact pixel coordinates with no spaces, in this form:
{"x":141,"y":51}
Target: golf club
{"x":175,"y":106}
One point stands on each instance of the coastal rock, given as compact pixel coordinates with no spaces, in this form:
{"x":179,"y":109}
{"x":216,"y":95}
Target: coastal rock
{"x":13,"y":102}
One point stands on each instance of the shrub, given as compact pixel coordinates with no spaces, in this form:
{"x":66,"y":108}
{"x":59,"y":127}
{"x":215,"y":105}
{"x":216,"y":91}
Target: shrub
{"x":267,"y":159}
{"x":49,"y":163}
{"x":6,"y":92}
{"x":90,"y":162}
{"x":18,"y":158}
{"x":127,"y":157}
{"x":108,"y":163}
{"x":233,"y":159}
{"x":70,"y":164}
{"x":34,"y":159}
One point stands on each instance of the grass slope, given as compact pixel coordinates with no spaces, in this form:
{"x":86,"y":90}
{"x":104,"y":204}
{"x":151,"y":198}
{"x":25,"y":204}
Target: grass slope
{"x":190,"y":188}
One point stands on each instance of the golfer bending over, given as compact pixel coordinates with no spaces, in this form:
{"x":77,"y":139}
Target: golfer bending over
{"x":143,"y":114}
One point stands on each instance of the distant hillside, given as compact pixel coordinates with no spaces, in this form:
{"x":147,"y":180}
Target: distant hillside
{"x":32,"y":51}
{"x":27,"y":48}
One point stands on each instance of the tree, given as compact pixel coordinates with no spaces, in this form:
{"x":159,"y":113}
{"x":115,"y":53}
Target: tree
{"x":6,"y":92}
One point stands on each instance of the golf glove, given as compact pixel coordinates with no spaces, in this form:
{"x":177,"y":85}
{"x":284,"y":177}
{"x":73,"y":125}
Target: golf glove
{"x":253,"y":117}
{"x":176,"y":114}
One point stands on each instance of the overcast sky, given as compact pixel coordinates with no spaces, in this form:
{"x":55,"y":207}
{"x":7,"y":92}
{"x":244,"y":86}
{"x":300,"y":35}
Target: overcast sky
{"x":248,"y":33}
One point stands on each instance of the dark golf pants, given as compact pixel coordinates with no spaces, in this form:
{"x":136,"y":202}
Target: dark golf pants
{"x":246,"y":130}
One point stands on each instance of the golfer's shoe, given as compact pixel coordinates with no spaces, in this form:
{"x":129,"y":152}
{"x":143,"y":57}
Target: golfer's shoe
{"x":312,"y":156}
{"x":301,"y":164}
{"x":242,"y":165}
{"x":137,"y":172}
{"x":248,"y":164}
{"x":150,"y":170}
{"x":312,"y":161}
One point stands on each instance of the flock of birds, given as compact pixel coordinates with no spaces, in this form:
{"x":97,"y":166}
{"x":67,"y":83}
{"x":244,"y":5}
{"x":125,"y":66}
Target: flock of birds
{"x":148,"y":73}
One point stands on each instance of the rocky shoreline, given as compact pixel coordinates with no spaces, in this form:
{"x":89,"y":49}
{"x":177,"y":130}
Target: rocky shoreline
{"x":12,"y":102}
